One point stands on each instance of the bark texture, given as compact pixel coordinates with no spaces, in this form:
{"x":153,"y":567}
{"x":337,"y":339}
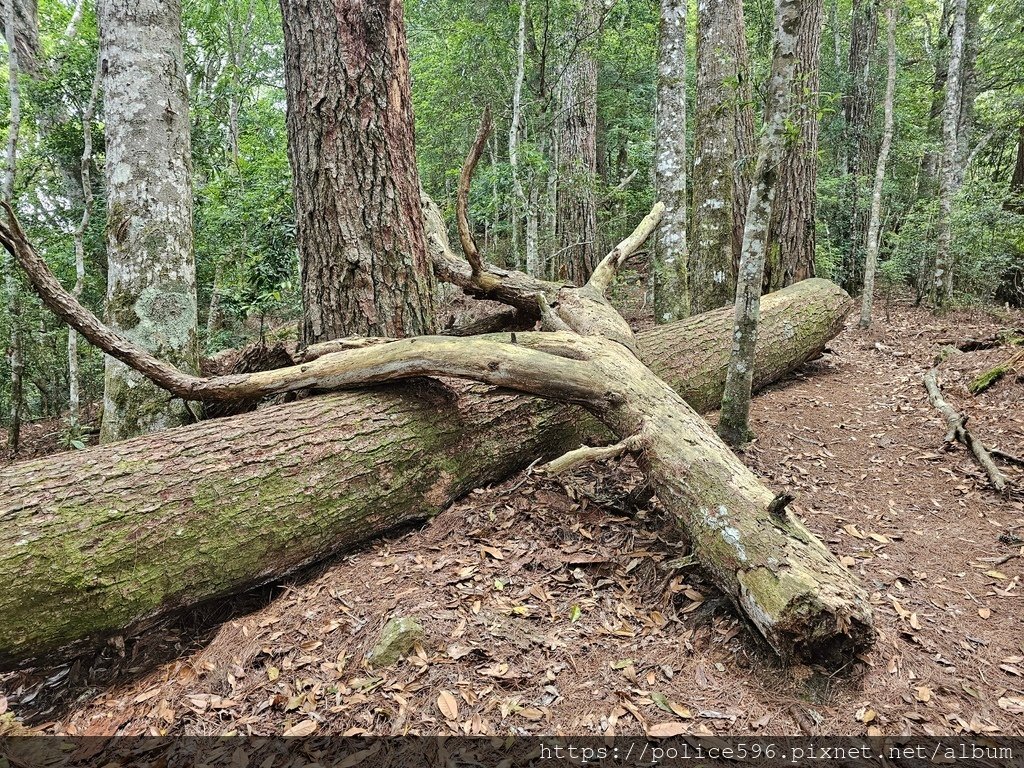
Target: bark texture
{"x":359,"y":226}
{"x":734,"y":418}
{"x":151,"y":278}
{"x":875,"y":223}
{"x":942,"y":276}
{"x":723,"y":140}
{"x":107,"y":538}
{"x":24,"y":30}
{"x":576,"y":204}
{"x":669,"y":255}
{"x":791,"y":236}
{"x":15,"y":355}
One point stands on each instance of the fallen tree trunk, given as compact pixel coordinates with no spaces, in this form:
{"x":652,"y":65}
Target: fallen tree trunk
{"x":99,"y":541}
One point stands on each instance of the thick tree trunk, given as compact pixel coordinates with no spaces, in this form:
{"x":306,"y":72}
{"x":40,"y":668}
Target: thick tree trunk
{"x":791,"y":239}
{"x":151,"y":277}
{"x":875,"y":223}
{"x":576,"y":204}
{"x":720,"y":148}
{"x":362,"y":249}
{"x":942,"y":276}
{"x":669,"y":254}
{"x":24,"y":30}
{"x":733,"y":420}
{"x":96,"y":541}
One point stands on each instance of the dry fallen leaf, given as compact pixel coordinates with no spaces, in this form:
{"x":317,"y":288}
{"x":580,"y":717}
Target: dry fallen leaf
{"x":667,"y":730}
{"x":448,"y":705}
{"x":304,"y":728}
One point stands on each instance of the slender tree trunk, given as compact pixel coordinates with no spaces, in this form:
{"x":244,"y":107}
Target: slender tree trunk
{"x":942,"y":277}
{"x":576,"y":202}
{"x":15,"y":352}
{"x":723,"y":95}
{"x":927,"y":180}
{"x":525,"y":207}
{"x":359,"y":225}
{"x":1015,"y":198}
{"x":669,"y":255}
{"x":733,"y":421}
{"x":74,"y":383}
{"x":151,"y":276}
{"x":791,"y":236}
{"x":875,"y":224}
{"x":968,"y":94}
{"x":859,"y":114}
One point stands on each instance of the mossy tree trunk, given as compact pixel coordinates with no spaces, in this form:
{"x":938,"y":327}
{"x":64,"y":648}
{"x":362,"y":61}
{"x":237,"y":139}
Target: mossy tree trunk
{"x":99,"y":541}
{"x":151,"y":277}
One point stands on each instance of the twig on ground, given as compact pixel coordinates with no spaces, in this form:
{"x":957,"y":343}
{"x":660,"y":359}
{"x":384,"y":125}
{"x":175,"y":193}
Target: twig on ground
{"x":956,"y":430}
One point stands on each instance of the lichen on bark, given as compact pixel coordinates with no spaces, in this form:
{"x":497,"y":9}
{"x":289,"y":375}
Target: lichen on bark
{"x":151,"y":282}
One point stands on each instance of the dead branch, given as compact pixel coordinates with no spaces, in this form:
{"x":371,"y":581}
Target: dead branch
{"x":956,"y":430}
{"x":585,"y":454}
{"x":462,"y":204}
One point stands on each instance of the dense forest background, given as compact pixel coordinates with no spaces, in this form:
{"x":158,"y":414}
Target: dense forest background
{"x":522,"y":61}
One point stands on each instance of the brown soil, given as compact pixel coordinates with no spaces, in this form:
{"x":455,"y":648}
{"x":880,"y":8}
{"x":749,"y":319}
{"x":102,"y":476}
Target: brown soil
{"x":568,"y":606}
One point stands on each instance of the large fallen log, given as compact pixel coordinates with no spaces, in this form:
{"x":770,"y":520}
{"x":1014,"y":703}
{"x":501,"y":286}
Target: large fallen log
{"x":98,"y":542}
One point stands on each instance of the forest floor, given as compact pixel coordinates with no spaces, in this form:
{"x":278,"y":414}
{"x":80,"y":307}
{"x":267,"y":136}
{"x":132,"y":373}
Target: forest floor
{"x":567,"y":607}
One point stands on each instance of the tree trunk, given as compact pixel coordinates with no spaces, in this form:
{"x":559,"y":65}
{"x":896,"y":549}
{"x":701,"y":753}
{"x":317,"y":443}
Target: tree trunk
{"x":669,"y":254}
{"x":733,"y":421}
{"x":96,"y":541}
{"x":576,"y":198}
{"x":74,"y":400}
{"x":791,"y":240}
{"x":15,"y":352}
{"x":858,"y":110}
{"x":21,"y":25}
{"x":875,"y":224}
{"x":927,"y":179}
{"x":359,"y":226}
{"x":1015,"y":198}
{"x":151,"y":277}
{"x":720,"y":148}
{"x":942,"y":276}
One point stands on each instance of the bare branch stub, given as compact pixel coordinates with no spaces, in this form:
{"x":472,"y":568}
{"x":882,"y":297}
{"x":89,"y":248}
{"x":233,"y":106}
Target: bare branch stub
{"x":462,"y":206}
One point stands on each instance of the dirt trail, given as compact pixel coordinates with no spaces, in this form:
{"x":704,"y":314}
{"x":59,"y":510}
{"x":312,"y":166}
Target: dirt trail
{"x":570,"y":606}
